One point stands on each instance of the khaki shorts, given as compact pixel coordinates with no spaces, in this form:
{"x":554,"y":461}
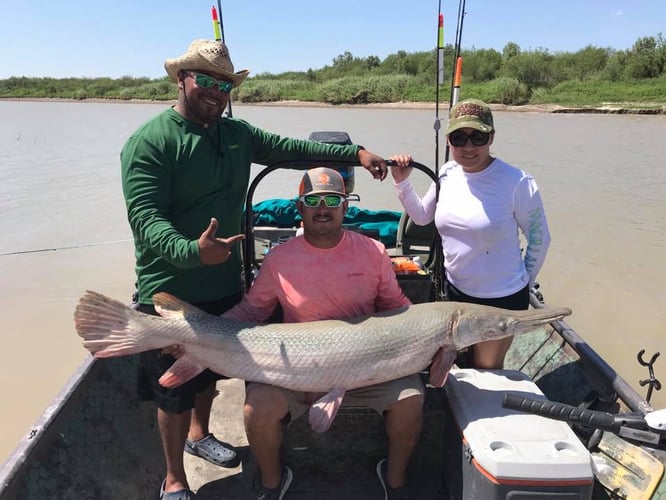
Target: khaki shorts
{"x":378,"y":397}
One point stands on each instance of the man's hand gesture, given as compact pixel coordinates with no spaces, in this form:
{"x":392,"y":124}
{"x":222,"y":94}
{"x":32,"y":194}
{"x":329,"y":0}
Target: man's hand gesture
{"x":214,"y":250}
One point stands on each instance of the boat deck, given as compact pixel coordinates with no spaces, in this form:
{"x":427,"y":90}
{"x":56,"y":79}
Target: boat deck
{"x":337,"y":464}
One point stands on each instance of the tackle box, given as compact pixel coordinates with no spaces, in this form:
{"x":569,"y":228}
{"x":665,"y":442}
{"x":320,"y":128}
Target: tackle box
{"x":497,"y":453}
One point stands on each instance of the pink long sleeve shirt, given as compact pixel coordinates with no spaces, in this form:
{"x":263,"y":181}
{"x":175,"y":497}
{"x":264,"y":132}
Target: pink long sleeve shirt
{"x":355,"y":278}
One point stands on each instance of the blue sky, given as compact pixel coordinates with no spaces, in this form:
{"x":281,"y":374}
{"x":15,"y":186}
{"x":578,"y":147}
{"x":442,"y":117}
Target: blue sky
{"x":62,"y":38}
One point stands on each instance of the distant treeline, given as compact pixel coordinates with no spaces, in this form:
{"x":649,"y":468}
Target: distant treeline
{"x":592,"y":76}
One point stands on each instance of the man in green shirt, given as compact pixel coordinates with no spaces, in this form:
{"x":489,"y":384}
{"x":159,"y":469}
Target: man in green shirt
{"x":185,"y":175}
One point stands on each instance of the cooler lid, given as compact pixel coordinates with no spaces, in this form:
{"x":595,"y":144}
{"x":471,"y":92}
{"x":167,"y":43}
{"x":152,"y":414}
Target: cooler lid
{"x":509,"y":444}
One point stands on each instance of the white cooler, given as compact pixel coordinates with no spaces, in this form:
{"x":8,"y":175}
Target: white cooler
{"x":505,"y":454}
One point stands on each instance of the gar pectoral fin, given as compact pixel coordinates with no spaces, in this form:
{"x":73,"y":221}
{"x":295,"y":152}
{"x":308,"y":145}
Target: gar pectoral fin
{"x":441,"y":365}
{"x":323,"y":411}
{"x":185,"y":368}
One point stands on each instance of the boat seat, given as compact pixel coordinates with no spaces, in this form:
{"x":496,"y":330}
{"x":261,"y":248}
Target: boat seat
{"x":413,"y":239}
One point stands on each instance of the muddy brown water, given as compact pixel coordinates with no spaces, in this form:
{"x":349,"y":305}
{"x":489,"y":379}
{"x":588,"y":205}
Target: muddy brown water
{"x":64,"y":228}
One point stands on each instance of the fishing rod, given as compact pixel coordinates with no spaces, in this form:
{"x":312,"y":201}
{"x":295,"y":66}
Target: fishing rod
{"x":456,"y":75}
{"x":440,"y":80}
{"x":438,"y":292}
{"x":221,"y":22}
{"x":438,"y":267}
{"x":216,"y":24}
{"x":218,"y":33}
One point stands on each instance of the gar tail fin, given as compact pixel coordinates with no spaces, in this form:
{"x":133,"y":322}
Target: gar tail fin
{"x":109,"y":328}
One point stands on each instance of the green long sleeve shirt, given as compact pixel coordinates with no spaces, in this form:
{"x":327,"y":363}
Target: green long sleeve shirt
{"x":176,"y":175}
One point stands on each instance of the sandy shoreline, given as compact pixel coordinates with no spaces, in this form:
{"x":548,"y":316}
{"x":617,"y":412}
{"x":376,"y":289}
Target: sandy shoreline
{"x":607,"y":108}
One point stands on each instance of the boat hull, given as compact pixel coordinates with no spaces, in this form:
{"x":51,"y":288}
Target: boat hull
{"x":95,"y":441}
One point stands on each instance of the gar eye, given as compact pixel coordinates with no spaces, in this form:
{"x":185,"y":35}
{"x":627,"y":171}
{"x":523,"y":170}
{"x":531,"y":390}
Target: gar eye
{"x":503,"y":326}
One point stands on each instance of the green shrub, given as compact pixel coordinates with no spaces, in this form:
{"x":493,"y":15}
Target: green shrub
{"x":126,"y":94}
{"x":508,"y":91}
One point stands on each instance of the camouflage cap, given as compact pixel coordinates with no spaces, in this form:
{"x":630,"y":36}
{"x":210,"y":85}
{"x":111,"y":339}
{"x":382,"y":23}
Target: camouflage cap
{"x":470,"y":113}
{"x":321,"y":180}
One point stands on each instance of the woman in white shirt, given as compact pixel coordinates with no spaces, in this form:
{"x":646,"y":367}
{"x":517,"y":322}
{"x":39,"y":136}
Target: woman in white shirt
{"x":483,"y":205}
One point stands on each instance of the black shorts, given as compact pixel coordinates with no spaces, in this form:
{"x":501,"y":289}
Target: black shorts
{"x":518,"y":301}
{"x":152,"y":364}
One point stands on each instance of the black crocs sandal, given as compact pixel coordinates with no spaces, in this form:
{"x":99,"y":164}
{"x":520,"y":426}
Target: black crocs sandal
{"x":185,"y":494}
{"x":214,"y":451}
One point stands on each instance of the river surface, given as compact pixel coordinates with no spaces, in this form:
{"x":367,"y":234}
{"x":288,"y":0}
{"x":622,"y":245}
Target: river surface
{"x":63,"y":226}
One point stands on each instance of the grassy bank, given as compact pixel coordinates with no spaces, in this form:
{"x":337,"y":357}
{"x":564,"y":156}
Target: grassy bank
{"x":577,"y":94}
{"x":593,"y":77}
{"x":399,"y":90}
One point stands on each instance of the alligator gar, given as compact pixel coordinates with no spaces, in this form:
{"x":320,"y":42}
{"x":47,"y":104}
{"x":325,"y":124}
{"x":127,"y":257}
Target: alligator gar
{"x":329,"y":356}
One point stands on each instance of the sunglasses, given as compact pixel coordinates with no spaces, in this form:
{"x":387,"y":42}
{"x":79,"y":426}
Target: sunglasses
{"x":330,"y":200}
{"x":458,"y":138}
{"x":206,"y":82}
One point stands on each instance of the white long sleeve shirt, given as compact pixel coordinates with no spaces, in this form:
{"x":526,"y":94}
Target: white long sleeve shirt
{"x":478,"y":216}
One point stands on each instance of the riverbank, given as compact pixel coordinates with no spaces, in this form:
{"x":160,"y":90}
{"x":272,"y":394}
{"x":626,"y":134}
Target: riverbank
{"x":625,"y":108}
{"x":607,"y":108}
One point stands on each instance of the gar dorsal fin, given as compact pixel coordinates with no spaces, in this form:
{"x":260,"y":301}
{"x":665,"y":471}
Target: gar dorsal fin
{"x":172,"y":307}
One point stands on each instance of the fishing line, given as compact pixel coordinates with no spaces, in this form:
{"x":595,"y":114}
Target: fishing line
{"x":69,"y":247}
{"x":437,"y":263}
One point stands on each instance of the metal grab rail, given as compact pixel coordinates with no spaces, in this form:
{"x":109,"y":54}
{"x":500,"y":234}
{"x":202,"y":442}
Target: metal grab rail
{"x":249,"y":255}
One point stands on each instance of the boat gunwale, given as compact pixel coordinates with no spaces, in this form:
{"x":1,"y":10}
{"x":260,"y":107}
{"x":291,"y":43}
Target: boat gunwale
{"x":40,"y":429}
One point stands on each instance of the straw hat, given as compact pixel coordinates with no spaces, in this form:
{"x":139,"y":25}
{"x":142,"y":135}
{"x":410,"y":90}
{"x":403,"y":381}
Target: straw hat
{"x":209,"y":56}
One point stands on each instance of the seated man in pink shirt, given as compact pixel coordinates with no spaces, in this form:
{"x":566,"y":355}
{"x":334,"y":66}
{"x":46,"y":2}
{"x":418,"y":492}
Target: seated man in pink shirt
{"x":339,"y":274}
